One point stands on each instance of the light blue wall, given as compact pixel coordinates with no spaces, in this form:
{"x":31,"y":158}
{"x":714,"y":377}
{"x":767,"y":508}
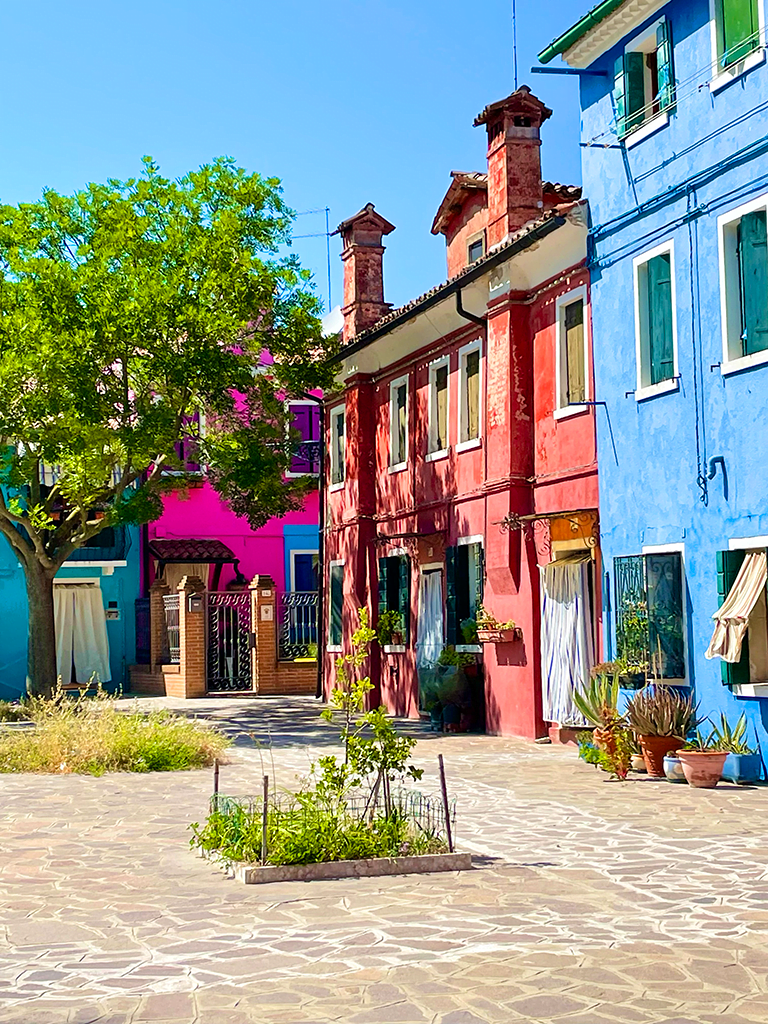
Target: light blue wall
{"x":298,"y":537}
{"x":122,"y":587}
{"x":709,"y":159}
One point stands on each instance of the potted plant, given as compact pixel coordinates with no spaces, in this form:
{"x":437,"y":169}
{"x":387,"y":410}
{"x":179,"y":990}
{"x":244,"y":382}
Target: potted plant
{"x":389,"y":629}
{"x":673,"y":768}
{"x":702,"y":761}
{"x":454,"y":687}
{"x":632,"y":643}
{"x":311,"y":654}
{"x":742,"y":762}
{"x":491,"y":631}
{"x":469,"y":631}
{"x":598,"y":703}
{"x":661,"y":718}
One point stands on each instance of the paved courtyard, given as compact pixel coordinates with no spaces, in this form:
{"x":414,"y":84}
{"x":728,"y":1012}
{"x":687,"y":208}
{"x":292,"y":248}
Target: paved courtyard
{"x":590,"y":901}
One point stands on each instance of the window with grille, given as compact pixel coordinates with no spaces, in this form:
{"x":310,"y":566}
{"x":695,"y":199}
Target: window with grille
{"x":304,"y":434}
{"x":650,"y":593}
{"x":395,"y":590}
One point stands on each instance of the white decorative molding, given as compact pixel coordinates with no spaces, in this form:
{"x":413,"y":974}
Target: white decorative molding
{"x":610,"y":30}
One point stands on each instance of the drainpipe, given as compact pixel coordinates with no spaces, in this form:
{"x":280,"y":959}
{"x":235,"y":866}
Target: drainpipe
{"x":320,"y":545}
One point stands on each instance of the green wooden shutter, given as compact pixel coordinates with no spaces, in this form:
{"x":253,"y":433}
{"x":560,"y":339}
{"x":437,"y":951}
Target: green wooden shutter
{"x":404,"y":594}
{"x":480,"y":579}
{"x":452,"y":620}
{"x":753,"y":280}
{"x":665,"y":71}
{"x":634,"y":74}
{"x":737,"y":29}
{"x":620,"y":97}
{"x":660,"y":318}
{"x":383,"y":565}
{"x":728,"y":565}
{"x":335,"y":630}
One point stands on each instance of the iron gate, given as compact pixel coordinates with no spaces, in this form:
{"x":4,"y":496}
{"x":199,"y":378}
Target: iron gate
{"x":229,"y":642}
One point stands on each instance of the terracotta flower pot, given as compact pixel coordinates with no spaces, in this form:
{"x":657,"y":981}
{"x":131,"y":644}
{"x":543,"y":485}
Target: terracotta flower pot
{"x":702,"y":768}
{"x":654,"y":748}
{"x":638,"y":763}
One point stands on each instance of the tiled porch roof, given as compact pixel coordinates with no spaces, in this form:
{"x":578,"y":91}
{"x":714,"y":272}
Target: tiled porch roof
{"x":192,"y":550}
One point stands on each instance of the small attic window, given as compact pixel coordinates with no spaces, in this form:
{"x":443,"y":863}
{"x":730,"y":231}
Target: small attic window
{"x":495,"y":129}
{"x":522,"y":122}
{"x":475,"y":249}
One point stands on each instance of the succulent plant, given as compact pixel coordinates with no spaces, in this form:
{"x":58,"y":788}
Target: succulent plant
{"x":658,"y":710}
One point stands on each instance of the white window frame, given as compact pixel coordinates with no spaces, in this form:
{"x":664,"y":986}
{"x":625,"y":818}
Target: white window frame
{"x":475,"y":538}
{"x":562,"y":301}
{"x":729,"y":313}
{"x":299,"y":551}
{"x":464,"y":351}
{"x":644,"y":391}
{"x":479,"y":236}
{"x":723,"y":78}
{"x":394,"y":386}
{"x":669,"y":549}
{"x":334,"y":648}
{"x":287,"y":404}
{"x":338,"y":410}
{"x":651,"y":124}
{"x":434,"y":453}
{"x":759,"y":543}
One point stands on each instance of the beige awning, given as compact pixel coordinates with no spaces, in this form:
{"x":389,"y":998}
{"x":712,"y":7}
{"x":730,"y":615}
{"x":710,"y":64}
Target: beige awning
{"x":732,"y":617}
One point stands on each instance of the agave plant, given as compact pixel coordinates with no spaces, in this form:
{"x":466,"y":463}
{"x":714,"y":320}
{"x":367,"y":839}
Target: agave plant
{"x":601,"y":695}
{"x":732,"y":740}
{"x":657,"y":710}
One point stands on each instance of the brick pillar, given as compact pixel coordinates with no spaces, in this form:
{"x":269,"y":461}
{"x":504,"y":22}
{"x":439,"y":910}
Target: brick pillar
{"x":264,"y":625}
{"x":157,"y":634}
{"x":192,"y":636}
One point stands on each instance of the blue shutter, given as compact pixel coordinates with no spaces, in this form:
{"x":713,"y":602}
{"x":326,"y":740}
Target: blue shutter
{"x":660,"y":318}
{"x":728,"y":565}
{"x":665,"y":71}
{"x":753,"y":279}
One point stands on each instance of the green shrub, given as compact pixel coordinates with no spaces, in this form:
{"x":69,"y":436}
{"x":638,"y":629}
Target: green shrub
{"x":15,"y":711}
{"x":92,"y":735}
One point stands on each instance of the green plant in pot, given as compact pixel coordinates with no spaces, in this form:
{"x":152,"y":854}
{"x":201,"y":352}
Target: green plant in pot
{"x":743,"y":763}
{"x":661,"y":718}
{"x":469,"y":631}
{"x":702,"y":760}
{"x":389,"y":628}
{"x":598,"y":703}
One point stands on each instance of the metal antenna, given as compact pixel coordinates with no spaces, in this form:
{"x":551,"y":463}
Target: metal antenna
{"x":328,"y":252}
{"x":514,"y":40}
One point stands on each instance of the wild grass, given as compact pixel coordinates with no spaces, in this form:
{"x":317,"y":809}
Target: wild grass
{"x":93,"y":735}
{"x":13,"y":711}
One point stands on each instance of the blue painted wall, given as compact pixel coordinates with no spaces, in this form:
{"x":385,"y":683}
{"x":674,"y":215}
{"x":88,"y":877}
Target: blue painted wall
{"x":298,"y":537}
{"x":711,"y":158}
{"x":122,"y":587}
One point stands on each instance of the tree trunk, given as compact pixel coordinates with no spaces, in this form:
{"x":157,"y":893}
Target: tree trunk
{"x":41,"y":650}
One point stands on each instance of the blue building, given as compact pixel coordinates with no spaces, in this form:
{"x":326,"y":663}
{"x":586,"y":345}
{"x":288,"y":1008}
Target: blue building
{"x":674,"y":128}
{"x":94,"y":592}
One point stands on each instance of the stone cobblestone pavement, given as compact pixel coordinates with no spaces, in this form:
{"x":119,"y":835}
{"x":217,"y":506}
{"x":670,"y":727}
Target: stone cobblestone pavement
{"x":591,"y":901}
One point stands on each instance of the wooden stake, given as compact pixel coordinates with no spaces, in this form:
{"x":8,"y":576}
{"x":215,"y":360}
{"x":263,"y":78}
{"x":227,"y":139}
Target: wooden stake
{"x":264,"y":819}
{"x":215,"y":785}
{"x":446,"y":807}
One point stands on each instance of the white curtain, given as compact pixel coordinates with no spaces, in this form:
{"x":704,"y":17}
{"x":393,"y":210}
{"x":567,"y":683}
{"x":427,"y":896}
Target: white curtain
{"x":430,"y":622}
{"x":175,"y":572}
{"x":81,"y":633}
{"x":732,"y":617}
{"x":566,"y":638}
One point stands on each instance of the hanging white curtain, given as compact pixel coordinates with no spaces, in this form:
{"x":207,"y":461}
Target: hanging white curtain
{"x":430,"y":622}
{"x":81,"y":633}
{"x":175,"y":572}
{"x":732,"y":617}
{"x":566,"y":638}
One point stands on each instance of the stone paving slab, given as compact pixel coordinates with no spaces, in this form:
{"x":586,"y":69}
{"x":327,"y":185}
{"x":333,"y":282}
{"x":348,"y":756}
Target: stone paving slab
{"x":642,"y":903}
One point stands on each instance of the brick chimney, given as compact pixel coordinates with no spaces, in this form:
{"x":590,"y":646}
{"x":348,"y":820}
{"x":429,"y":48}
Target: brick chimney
{"x":363,"y":271}
{"x":514,"y":162}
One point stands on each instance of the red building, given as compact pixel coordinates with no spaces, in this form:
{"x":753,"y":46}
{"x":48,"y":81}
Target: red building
{"x":462,"y":467}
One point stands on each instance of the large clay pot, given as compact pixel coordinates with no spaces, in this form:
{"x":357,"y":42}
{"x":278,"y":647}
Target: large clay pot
{"x":654,"y":748}
{"x":702,"y":768}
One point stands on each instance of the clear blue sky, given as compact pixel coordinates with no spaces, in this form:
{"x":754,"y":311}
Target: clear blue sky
{"x":347,"y":102}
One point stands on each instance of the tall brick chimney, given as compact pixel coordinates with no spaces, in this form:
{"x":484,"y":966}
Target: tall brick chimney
{"x":363,"y":270}
{"x":514,"y":162}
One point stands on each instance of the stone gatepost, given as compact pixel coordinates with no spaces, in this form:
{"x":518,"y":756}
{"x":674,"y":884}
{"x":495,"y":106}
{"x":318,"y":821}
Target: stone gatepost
{"x":264,"y":627}
{"x":192,"y":660}
{"x":157,"y":631}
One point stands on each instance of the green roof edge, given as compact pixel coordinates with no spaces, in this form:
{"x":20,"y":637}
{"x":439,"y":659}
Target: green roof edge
{"x":575,"y":32}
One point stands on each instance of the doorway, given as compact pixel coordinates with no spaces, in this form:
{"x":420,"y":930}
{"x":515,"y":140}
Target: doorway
{"x":82,"y":647}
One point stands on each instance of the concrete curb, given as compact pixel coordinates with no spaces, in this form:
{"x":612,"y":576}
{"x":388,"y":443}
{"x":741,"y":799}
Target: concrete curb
{"x":256,"y":874}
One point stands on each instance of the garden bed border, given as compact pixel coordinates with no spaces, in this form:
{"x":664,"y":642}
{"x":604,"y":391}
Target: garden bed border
{"x":254,"y":874}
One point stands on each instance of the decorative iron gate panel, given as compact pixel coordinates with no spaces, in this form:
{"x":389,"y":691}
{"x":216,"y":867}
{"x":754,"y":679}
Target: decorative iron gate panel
{"x":229,"y":642}
{"x":172,"y":641}
{"x":298,"y":624}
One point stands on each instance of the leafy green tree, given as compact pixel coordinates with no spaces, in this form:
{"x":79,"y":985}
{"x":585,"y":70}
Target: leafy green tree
{"x":126,"y":310}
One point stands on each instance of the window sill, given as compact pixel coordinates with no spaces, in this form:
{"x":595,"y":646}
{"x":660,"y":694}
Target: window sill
{"x":570,"y":410}
{"x":750,"y":690}
{"x":466,"y":446}
{"x":736,"y":70}
{"x":436,"y":456}
{"x":394,"y":648}
{"x":744,"y":363}
{"x":653,"y":390}
{"x":648,"y":128}
{"x":336,"y":487}
{"x":115,"y":563}
{"x":469,"y":648}
{"x":333,"y":648}
{"x":400,"y":467}
{"x":295,"y":476}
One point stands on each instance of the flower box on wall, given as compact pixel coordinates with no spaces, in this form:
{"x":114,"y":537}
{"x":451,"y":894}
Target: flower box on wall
{"x":499,"y":636}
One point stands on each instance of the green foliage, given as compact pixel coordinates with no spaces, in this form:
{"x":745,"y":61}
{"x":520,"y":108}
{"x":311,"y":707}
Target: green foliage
{"x":632,"y":635}
{"x":390,"y":622}
{"x":450,"y":656}
{"x":125,"y":310}
{"x":16,"y":711}
{"x":588,"y":751}
{"x":733,"y":740}
{"x":487,"y":620}
{"x":469,"y":630}
{"x":657,"y":710}
{"x":601,"y":693}
{"x":92,"y":735}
